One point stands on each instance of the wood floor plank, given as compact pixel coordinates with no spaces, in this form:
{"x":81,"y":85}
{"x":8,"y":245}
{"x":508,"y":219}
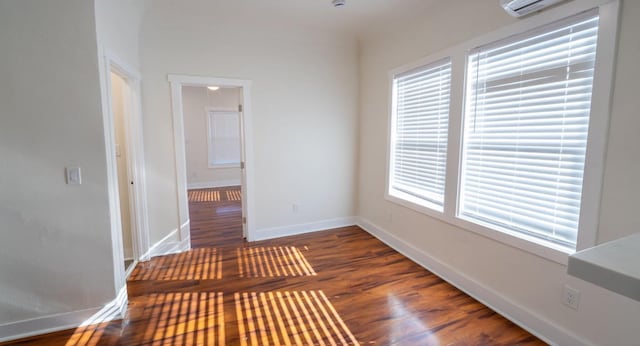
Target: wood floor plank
{"x":335,"y":287}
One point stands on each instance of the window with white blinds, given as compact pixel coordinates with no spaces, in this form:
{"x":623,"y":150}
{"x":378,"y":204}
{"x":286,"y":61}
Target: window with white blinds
{"x":420,"y":119}
{"x":527,"y":112}
{"x":224,"y":138}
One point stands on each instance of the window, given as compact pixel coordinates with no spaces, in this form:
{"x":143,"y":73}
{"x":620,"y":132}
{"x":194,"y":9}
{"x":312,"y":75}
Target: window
{"x":528,"y":104}
{"x":419,"y":134}
{"x":506,"y":137}
{"x":224,"y":138}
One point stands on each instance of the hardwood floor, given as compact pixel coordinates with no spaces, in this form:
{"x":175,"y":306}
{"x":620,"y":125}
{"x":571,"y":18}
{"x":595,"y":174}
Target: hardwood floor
{"x":336,"y":287}
{"x":216,"y":216}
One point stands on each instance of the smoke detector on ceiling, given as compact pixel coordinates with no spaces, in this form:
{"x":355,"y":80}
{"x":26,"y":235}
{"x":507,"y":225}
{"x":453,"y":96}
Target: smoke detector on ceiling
{"x":339,"y":3}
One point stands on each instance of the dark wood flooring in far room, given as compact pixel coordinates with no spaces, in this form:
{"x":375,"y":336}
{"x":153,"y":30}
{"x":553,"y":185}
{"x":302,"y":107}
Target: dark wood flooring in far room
{"x":216,"y":216}
{"x":337,"y":287}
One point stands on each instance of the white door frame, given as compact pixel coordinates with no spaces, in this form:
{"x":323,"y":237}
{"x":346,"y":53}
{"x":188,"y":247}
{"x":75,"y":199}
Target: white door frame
{"x":179,"y":81}
{"x":135,"y":163}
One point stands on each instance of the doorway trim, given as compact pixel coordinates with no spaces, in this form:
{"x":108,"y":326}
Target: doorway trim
{"x":136,"y":166}
{"x":246,"y":130}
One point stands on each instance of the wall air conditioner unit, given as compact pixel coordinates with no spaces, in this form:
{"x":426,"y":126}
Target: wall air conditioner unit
{"x":519,"y":8}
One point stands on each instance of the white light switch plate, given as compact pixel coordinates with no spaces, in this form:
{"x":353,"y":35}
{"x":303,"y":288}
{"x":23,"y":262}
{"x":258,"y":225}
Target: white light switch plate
{"x":74,"y":176}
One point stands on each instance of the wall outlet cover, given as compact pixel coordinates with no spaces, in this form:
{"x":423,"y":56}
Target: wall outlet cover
{"x":571,"y":297}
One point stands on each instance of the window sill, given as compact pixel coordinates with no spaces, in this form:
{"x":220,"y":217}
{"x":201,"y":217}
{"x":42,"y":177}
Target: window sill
{"x":537,"y":247}
{"x":225,"y":165}
{"x":532,"y":245}
{"x":415,"y":203}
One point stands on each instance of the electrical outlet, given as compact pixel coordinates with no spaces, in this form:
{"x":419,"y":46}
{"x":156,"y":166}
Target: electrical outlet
{"x":295,"y":208}
{"x":571,"y":297}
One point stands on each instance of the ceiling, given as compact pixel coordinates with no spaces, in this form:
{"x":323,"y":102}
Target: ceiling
{"x":360,"y":18}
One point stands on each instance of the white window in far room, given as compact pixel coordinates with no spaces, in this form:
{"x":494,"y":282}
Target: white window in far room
{"x":224,"y":138}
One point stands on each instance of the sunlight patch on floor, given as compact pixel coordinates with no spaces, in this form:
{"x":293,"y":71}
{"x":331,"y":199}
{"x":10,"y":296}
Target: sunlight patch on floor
{"x":204,"y":196}
{"x":233,"y":195}
{"x":196,"y":264}
{"x":290,"y":318}
{"x":271,"y":261}
{"x":214,"y":195}
{"x":185,"y":319}
{"x":90,"y":331}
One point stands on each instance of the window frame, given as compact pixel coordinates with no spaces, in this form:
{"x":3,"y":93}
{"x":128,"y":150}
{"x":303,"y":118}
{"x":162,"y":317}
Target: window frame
{"x":608,"y":11}
{"x":208,"y":112}
{"x":398,"y":195}
{"x":407,"y":200}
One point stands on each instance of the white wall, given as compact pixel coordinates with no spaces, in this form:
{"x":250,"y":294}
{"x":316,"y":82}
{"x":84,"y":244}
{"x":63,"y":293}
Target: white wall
{"x":304,"y":106}
{"x":529,"y":286}
{"x":195,"y":101}
{"x":56,"y":253}
{"x":56,"y":262}
{"x":619,"y":206}
{"x":117,"y":25}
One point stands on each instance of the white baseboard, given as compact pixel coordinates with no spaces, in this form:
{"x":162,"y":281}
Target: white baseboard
{"x":185,"y":230}
{"x":185,"y":244}
{"x":168,"y":245}
{"x":128,"y":253}
{"x":160,"y":247}
{"x":528,"y":320}
{"x":284,"y":231}
{"x":66,"y":320}
{"x":212,"y":184}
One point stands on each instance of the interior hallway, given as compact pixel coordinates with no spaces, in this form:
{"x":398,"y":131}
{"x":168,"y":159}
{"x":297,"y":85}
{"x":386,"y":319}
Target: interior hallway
{"x":337,"y":287}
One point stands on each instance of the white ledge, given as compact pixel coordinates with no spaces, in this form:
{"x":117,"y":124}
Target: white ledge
{"x":614,"y":265}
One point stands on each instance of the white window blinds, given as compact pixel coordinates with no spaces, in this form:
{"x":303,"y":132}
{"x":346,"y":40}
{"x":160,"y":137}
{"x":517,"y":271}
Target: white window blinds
{"x":525,"y":132}
{"x":224,"y":138}
{"x":419,"y":133}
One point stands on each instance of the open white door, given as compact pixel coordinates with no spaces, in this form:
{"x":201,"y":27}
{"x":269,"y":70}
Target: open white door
{"x":243,"y":168}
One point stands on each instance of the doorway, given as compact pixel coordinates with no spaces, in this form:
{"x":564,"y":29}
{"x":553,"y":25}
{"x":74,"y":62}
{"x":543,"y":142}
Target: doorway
{"x":125,"y":168}
{"x":213,"y":158}
{"x":118,"y":87}
{"x":213,"y":145}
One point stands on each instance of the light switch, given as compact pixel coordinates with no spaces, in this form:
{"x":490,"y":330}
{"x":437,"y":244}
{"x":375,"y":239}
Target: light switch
{"x":74,"y":176}
{"x":117,"y":150}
